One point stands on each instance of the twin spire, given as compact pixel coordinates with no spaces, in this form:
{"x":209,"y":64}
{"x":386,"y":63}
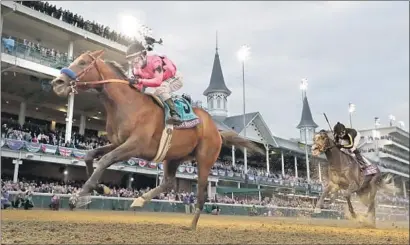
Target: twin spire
{"x":217,"y":82}
{"x":217,"y":85}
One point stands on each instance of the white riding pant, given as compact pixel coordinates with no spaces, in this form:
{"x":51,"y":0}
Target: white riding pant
{"x":169,"y":86}
{"x":356,"y":141}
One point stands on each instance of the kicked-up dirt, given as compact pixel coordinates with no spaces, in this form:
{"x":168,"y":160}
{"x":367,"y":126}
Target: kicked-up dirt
{"x":91,"y":227}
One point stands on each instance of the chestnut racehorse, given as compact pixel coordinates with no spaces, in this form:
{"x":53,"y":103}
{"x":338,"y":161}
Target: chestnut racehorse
{"x":135,"y":125}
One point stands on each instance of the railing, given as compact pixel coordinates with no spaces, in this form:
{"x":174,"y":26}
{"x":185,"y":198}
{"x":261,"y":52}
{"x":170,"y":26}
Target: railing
{"x":69,"y":153}
{"x":34,"y":54}
{"x":43,"y":200}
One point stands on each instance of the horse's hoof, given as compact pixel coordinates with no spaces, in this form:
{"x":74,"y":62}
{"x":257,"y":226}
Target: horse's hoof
{"x":138,"y":202}
{"x":103,"y":189}
{"x":82,"y":201}
{"x":317,"y":211}
{"x":187,"y":228}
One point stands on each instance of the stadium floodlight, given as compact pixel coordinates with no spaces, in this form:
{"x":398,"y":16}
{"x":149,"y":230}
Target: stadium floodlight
{"x":401,"y":124}
{"x":132,"y":27}
{"x":376,"y":121}
{"x":303,"y":84}
{"x":244,"y":53}
{"x":392,"y":119}
{"x":129,"y":25}
{"x":352,"y":107}
{"x":65,"y":172}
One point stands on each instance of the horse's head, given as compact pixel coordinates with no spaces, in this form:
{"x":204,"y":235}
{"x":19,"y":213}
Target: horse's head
{"x":82,"y":70}
{"x":322,"y":142}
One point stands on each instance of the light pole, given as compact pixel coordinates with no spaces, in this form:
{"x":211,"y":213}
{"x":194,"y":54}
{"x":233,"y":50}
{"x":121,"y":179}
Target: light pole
{"x":243,"y":55}
{"x":401,"y":124}
{"x":376,"y":133}
{"x":392,"y":119}
{"x":352,"y":108}
{"x":303,"y":88}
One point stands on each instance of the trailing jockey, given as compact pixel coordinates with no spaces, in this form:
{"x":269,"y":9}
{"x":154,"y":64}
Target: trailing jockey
{"x":156,"y":72}
{"x":352,"y":137}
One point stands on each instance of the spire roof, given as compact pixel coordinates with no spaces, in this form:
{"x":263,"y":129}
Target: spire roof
{"x":217,"y":82}
{"x":307,"y":120}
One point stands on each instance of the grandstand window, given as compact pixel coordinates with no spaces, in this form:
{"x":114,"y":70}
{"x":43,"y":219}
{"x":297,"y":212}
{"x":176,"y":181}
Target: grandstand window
{"x":218,"y":105}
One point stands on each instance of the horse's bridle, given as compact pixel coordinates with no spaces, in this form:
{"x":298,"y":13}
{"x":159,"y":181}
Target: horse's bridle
{"x":325,"y":149}
{"x":75,"y":78}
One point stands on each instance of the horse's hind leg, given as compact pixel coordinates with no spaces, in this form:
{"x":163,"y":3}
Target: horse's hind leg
{"x":206,"y":156}
{"x":170,"y":169}
{"x":372,"y":198}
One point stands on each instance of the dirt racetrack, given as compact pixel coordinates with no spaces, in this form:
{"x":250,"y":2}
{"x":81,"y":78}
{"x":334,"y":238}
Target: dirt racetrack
{"x":92,"y":227}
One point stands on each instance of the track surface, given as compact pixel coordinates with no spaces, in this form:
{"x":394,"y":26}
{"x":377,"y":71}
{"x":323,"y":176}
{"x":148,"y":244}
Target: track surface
{"x":91,"y":227}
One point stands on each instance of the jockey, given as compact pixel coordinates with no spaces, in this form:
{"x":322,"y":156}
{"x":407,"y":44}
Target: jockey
{"x":157,"y":72}
{"x":352,"y":137}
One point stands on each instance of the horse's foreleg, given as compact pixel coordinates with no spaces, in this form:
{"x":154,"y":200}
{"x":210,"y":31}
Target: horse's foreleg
{"x":170,"y":169}
{"x":96,"y":153}
{"x":319,"y":203}
{"x":350,"y":206}
{"x":121,"y":153}
{"x":89,"y":162}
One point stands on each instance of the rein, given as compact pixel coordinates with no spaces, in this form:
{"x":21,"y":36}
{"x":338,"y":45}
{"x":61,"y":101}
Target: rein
{"x":75,"y":78}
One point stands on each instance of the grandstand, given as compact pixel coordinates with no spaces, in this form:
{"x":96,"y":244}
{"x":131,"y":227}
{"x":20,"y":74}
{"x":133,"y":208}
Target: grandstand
{"x":36,"y":142}
{"x":389,"y":146}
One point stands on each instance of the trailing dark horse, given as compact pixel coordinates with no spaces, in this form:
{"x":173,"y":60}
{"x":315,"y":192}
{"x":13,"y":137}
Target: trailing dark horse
{"x":344,"y":173}
{"x":136,"y":127}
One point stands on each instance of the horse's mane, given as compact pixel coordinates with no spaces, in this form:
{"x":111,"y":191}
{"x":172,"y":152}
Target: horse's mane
{"x":117,"y":68}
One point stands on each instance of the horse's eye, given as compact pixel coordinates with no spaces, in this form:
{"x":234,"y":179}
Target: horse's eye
{"x":81,"y":62}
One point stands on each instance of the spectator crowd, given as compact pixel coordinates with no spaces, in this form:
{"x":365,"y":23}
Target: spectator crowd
{"x":54,"y":186}
{"x":77,"y":20}
{"x":42,"y":134}
{"x":30,"y":49}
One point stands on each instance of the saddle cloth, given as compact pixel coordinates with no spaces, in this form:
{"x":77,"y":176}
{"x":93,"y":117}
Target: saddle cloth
{"x":184,"y":110}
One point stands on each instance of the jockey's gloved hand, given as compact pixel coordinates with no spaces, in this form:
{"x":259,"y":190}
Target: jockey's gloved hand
{"x":338,"y":145}
{"x":132,"y":80}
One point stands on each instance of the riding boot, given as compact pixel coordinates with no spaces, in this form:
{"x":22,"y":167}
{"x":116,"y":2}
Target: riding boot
{"x":360,"y":159}
{"x":174,"y":117}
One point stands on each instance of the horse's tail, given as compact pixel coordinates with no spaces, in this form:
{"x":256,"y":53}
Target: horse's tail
{"x":230,"y":138}
{"x":386,"y":184}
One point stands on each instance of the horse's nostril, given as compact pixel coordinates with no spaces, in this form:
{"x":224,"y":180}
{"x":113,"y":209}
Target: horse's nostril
{"x":59,"y":82}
